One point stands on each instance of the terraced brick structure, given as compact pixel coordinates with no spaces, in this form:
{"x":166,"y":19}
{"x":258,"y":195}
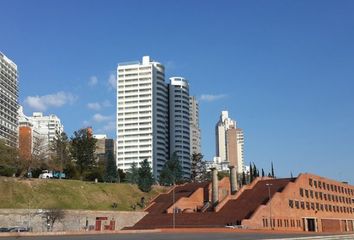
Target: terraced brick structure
{"x":305,"y":203}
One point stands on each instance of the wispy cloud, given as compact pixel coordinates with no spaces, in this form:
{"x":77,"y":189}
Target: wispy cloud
{"x":86,"y":123}
{"x":106,"y":103}
{"x":42,"y":103}
{"x":112,"y":81}
{"x":93,"y":81}
{"x":94,"y":106}
{"x":110,"y":126}
{"x":98,"y":106}
{"x":101,"y":118}
{"x":212,"y":97}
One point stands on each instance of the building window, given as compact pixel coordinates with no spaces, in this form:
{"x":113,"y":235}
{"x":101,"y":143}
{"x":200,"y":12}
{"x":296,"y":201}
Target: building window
{"x":301,"y":192}
{"x":291,"y":203}
{"x":310,"y":182}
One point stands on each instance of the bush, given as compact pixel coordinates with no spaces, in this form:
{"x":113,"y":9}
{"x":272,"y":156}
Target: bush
{"x":7,"y":171}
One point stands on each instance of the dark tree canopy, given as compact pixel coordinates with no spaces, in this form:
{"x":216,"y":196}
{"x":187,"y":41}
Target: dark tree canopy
{"x":9,"y":161}
{"x":61,"y":151}
{"x":146,"y":179}
{"x":171,"y":172}
{"x":132,"y":175}
{"x":83,"y":146}
{"x":111,"y":173}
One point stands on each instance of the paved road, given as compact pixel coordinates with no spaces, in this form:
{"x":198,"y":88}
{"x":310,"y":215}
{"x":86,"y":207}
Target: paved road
{"x":175,"y":236}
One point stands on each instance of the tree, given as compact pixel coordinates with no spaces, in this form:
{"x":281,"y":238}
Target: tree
{"x":122,"y":175}
{"x":171,"y":172}
{"x":273,"y":175}
{"x":146,"y":178}
{"x":82,"y":149}
{"x":263,"y":174}
{"x":60,"y":149}
{"x":8,"y":160}
{"x":243,"y":178}
{"x":36,"y":160}
{"x":111,"y":173}
{"x":255,"y":171}
{"x":133,"y":174}
{"x":53,"y":215}
{"x":198,"y":168}
{"x":251,"y":173}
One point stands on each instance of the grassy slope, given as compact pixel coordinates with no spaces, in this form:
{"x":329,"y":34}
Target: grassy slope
{"x":69,"y":194}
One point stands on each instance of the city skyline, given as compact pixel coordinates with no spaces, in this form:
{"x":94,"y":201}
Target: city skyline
{"x":288,"y":82}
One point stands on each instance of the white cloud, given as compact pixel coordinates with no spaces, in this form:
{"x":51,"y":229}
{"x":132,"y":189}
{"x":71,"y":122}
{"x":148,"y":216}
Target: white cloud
{"x":94,"y":106}
{"x":98,"y":106}
{"x":110,"y":126}
{"x":86,"y":123}
{"x":101,"y":118}
{"x":93,"y":81}
{"x":42,"y":103}
{"x":112,"y":81}
{"x":106,"y":103}
{"x":211,"y":97}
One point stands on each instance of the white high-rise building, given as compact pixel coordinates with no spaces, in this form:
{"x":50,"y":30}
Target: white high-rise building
{"x":179,"y":122}
{"x":194,"y":129}
{"x":9,"y":101}
{"x":47,"y":128}
{"x":229,"y":142}
{"x":142,"y":114}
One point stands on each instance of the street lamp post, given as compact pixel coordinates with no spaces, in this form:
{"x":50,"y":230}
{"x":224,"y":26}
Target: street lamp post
{"x":270,"y":205}
{"x":173,"y":207}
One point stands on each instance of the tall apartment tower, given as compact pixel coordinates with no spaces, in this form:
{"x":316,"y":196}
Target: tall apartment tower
{"x":9,"y":101}
{"x":229,"y":142}
{"x":179,"y":122}
{"x":194,"y":125}
{"x":142,"y":114}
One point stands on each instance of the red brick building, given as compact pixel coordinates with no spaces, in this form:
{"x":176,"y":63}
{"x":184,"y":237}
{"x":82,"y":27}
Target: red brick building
{"x":305,"y":203}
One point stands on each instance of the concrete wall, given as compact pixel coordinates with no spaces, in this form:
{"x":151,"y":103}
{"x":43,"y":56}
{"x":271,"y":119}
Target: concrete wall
{"x":74,"y":220}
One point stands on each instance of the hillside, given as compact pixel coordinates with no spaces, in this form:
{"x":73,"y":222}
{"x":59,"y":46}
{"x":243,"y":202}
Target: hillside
{"x":70,"y":194}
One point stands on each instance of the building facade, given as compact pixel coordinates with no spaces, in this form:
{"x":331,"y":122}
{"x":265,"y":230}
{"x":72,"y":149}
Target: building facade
{"x":8,"y":101}
{"x":28,"y":136}
{"x":142,"y":114}
{"x":179,"y":122}
{"x":308,"y":203}
{"x":194,"y":129}
{"x":47,"y":128}
{"x":104,"y":146}
{"x":229,"y":143}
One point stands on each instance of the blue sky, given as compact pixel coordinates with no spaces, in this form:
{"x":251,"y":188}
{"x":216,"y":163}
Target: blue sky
{"x":283,"y":69}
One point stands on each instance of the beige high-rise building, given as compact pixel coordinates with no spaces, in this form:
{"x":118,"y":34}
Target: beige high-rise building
{"x":194,"y":125}
{"x":229,"y":142}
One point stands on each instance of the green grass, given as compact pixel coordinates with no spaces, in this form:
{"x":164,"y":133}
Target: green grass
{"x":70,"y":194}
